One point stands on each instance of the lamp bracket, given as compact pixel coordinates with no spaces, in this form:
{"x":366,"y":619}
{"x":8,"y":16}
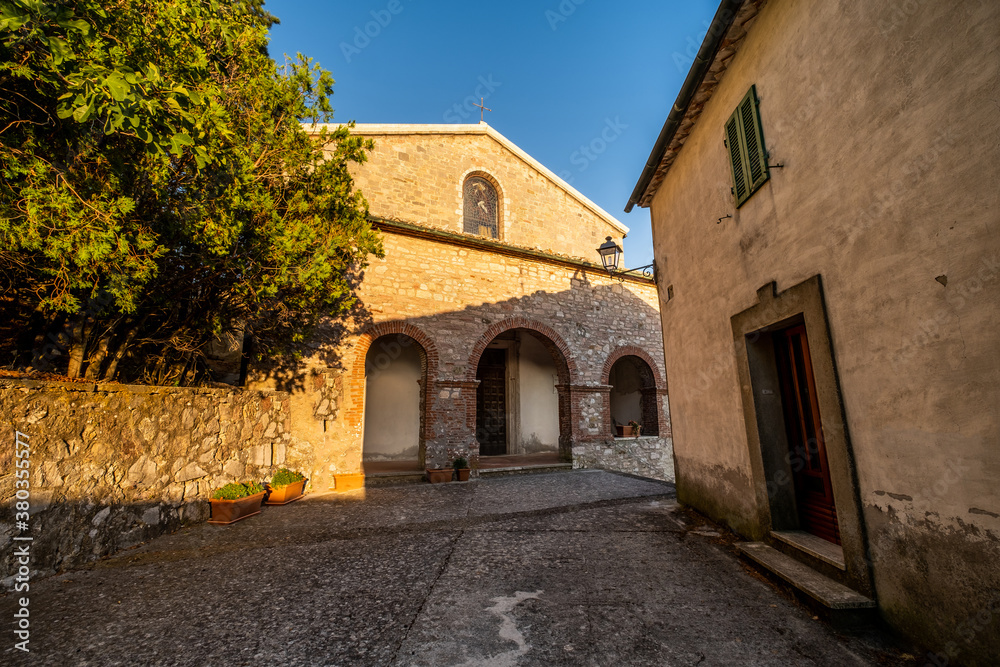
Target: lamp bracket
{"x":647,"y":271}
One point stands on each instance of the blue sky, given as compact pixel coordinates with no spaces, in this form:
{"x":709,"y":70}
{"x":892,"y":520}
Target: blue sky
{"x":581,"y":85}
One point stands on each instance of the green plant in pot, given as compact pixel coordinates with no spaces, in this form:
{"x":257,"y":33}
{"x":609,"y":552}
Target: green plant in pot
{"x":286,"y":486}
{"x":636,"y":428}
{"x":461,"y":465}
{"x":236,"y":501}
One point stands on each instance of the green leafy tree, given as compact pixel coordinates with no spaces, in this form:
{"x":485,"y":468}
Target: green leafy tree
{"x":157,"y":189}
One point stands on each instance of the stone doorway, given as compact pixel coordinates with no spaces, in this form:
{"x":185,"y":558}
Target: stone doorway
{"x":762,"y":335}
{"x":518,"y":402}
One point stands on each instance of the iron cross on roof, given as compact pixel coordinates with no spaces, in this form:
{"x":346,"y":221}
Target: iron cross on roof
{"x":482,"y":108}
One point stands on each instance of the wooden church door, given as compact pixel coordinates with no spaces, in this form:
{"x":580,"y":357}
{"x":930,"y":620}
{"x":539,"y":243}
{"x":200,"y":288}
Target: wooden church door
{"x":491,"y":403}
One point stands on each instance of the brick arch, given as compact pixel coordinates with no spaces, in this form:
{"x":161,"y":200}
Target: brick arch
{"x":357,"y":378}
{"x":631,"y":351}
{"x":481,"y":173}
{"x":376,"y":331}
{"x":553,"y":342}
{"x":652,"y":411}
{"x":565,"y":367}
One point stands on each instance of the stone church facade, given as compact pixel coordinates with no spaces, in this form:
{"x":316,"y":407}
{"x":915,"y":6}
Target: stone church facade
{"x":489,"y":328}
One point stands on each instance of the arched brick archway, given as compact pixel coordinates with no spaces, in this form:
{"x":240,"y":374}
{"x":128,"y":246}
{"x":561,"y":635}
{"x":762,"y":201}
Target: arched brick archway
{"x":429,"y":360}
{"x":652,"y":410}
{"x":550,"y":338}
{"x":376,"y":331}
{"x":631,"y":351}
{"x":565,"y":365}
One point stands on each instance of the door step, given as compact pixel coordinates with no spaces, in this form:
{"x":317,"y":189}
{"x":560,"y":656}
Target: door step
{"x":837,"y":602}
{"x":813,"y":546}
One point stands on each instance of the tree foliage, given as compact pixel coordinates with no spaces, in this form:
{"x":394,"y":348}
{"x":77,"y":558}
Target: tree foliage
{"x":157,"y":189}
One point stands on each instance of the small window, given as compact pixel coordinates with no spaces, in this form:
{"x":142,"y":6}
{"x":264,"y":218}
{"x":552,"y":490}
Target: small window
{"x":480,"y":207}
{"x":745,"y":142}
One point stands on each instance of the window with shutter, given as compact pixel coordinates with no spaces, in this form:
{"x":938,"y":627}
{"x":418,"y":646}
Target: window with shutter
{"x":745,"y":143}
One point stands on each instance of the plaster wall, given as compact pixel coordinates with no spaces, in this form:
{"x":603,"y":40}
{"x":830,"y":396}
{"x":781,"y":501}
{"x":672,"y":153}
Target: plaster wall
{"x":884,"y":116}
{"x":539,"y":398}
{"x":626,"y":397}
{"x":392,"y":405}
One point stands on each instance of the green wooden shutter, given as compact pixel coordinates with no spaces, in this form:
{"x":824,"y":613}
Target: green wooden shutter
{"x":747,"y":154}
{"x":736,"y":159}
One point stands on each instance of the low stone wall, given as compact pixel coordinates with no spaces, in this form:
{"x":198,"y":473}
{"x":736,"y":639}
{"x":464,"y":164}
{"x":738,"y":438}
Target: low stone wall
{"x":115,"y":465}
{"x":646,"y":456}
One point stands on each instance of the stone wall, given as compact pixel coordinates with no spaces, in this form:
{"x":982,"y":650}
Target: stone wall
{"x":646,"y":456}
{"x":116,"y":465}
{"x":453,"y":300}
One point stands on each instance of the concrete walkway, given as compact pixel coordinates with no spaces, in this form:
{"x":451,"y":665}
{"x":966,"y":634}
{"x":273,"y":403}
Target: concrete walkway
{"x":581,"y":567}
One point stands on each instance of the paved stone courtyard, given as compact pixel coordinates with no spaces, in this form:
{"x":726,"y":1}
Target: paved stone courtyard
{"x":582,"y":567}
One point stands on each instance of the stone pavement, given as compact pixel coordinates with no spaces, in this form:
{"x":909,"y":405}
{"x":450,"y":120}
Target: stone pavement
{"x":582,"y":567}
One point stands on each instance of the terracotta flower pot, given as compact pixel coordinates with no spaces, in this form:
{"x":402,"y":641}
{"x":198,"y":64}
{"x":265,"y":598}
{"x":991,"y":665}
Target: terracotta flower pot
{"x":439,"y":475}
{"x":625,"y":431}
{"x":231,"y":511}
{"x":463,"y":474}
{"x":282,"y":495}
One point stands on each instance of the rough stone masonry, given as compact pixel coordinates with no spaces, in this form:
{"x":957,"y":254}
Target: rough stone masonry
{"x":116,"y":465}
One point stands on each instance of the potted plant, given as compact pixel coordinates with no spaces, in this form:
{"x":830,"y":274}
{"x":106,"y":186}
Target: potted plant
{"x":236,"y":501}
{"x":439,"y":475}
{"x":629,"y":430}
{"x":461,"y":465}
{"x":286,"y":486}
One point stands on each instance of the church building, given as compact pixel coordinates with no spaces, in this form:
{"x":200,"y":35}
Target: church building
{"x":490,"y":331}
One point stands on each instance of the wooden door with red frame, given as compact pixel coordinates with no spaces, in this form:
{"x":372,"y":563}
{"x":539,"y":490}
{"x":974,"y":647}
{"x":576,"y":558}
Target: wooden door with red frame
{"x":810,"y":471}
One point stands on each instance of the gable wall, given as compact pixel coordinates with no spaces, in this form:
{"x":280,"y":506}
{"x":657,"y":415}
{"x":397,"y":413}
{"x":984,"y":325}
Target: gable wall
{"x":417,"y":178}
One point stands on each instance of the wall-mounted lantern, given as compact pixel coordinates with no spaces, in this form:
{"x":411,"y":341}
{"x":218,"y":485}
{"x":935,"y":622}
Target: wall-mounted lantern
{"x":611,"y":254}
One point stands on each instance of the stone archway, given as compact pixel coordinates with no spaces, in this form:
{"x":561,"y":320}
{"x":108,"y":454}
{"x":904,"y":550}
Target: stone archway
{"x":370,"y":358}
{"x":635,"y":385}
{"x":537,"y":420}
{"x":394,"y":405}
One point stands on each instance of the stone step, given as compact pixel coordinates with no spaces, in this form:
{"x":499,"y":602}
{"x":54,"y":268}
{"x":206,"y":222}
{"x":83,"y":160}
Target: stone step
{"x":418,"y":476}
{"x":830,"y":595}
{"x":392,"y":478}
{"x":813,"y":546}
{"x":524,"y":470}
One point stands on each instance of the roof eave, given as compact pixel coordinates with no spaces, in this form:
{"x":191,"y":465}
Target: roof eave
{"x":722,"y":22}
